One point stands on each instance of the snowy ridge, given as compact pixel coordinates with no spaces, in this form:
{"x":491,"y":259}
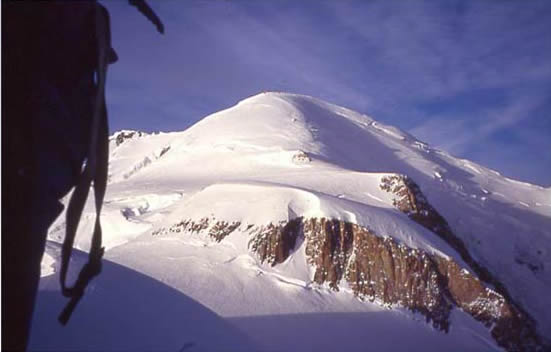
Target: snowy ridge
{"x":231,"y":202}
{"x":276,"y":157}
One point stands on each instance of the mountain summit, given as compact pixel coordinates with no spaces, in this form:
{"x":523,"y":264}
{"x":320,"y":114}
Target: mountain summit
{"x":285,"y":204}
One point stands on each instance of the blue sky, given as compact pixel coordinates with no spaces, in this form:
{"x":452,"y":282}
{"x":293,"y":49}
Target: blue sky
{"x":470,"y":77}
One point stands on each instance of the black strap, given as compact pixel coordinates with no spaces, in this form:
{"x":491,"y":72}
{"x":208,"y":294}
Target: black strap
{"x":144,"y":8}
{"x":95,"y":170}
{"x":93,"y":267}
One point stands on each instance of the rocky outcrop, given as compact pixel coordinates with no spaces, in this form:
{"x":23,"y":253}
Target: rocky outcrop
{"x":273,"y":243}
{"x":221,"y":229}
{"x":411,"y":201}
{"x":512,"y":329}
{"x":515,"y":329}
{"x":185,"y":226}
{"x":379,"y":268}
{"x":121,"y":136}
{"x":301,"y":157}
{"x":376,"y":268}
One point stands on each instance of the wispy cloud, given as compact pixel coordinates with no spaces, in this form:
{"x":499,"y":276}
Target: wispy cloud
{"x":428,"y":49}
{"x":460,"y":133}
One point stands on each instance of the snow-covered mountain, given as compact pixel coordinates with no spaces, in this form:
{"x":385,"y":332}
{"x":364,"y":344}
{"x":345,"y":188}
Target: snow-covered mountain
{"x":304,"y":225}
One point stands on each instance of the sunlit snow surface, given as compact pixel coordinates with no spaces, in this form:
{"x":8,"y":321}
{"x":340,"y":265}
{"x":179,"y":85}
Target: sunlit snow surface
{"x":270,"y":158}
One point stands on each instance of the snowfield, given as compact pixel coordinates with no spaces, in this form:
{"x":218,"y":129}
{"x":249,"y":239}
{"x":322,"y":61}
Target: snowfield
{"x":271,"y":158}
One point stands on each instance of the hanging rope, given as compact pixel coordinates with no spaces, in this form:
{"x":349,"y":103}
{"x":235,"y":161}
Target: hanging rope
{"x":96,"y":171}
{"x":96,"y":167}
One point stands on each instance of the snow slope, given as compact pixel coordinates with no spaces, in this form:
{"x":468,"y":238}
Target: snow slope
{"x":277,"y":156}
{"x":128,"y":311}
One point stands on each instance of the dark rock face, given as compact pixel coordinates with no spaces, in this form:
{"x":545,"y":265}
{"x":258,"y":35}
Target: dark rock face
{"x":413,"y":203}
{"x":273,"y":243}
{"x":513,"y":328}
{"x":329,"y":244}
{"x":510,"y":327}
{"x":376,"y":268}
{"x":382,"y":269}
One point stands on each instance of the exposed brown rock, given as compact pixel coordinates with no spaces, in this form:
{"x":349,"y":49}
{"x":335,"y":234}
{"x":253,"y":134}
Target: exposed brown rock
{"x":376,"y":268}
{"x":513,"y":328}
{"x":222,"y":228}
{"x":218,"y":230}
{"x":381,"y":269}
{"x":412,"y":202}
{"x":273,"y":243}
{"x":510,"y":327}
{"x":328,"y":246}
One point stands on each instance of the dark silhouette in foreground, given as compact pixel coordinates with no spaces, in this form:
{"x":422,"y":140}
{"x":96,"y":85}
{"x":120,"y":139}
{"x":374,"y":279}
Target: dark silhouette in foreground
{"x":54,"y":137}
